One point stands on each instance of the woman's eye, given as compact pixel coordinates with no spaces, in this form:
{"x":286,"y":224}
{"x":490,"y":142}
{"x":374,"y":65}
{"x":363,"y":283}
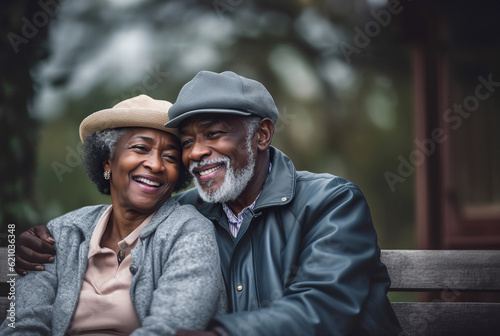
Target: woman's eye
{"x":140,"y":148}
{"x":170,"y":158}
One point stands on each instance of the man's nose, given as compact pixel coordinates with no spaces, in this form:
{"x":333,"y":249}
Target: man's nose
{"x":198,"y":151}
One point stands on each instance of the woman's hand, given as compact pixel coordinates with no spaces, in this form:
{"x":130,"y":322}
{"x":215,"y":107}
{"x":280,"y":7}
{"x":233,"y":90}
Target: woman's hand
{"x":33,"y":249}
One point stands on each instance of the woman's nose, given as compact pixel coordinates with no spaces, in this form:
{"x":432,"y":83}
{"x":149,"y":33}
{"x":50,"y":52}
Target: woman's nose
{"x":154,"y":162}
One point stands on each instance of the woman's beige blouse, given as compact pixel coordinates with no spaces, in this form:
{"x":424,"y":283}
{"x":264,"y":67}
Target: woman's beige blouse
{"x":104,"y":306}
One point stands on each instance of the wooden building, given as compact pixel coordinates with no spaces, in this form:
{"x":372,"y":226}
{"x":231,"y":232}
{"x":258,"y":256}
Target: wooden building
{"x":456,"y":73}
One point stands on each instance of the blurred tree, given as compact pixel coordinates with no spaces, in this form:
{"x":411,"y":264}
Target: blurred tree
{"x":350,"y":116}
{"x":23,"y":26}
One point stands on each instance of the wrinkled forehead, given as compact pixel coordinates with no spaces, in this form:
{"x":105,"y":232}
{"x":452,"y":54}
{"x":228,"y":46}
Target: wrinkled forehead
{"x":150,"y":135}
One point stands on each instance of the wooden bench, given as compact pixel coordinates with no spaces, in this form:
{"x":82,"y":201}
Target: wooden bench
{"x":448,"y":273}
{"x":4,"y":286}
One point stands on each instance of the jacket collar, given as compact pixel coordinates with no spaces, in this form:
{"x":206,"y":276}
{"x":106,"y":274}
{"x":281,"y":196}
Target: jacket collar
{"x":279,"y":188}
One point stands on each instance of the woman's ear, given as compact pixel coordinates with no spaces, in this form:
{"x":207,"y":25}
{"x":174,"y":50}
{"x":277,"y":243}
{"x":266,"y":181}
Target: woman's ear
{"x":265,"y":132}
{"x":106,"y":165}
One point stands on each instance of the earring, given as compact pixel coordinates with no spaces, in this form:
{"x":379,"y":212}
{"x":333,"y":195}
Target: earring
{"x":107,"y":175}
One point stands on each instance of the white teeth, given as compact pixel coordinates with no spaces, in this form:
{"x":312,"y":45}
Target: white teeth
{"x":148,"y":182}
{"x":208,"y":171}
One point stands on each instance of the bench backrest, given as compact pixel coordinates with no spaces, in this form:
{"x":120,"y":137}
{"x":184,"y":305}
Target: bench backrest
{"x":449,"y":273}
{"x":4,"y":286}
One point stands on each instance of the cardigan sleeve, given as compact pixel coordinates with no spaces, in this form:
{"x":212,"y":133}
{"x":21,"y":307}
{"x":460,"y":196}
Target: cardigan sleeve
{"x":190,"y":290}
{"x":35,"y":293}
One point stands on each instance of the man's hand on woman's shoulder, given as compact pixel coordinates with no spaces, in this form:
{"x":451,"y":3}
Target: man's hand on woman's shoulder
{"x":33,"y":249}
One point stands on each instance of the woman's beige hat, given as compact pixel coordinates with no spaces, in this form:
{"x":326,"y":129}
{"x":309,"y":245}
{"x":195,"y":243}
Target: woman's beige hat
{"x":140,"y":111}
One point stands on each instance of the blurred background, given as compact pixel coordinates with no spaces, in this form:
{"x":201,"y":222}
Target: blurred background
{"x":400,"y":97}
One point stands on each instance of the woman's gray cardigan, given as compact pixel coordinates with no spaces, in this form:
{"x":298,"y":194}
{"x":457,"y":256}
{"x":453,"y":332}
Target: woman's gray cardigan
{"x":176,"y":282}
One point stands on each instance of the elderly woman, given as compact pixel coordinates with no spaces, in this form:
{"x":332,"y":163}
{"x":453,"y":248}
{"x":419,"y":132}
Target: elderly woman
{"x":144,"y":265}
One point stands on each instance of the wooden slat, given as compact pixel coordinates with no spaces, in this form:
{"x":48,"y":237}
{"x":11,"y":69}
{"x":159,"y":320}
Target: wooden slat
{"x":4,"y":304}
{"x":444,"y":319}
{"x":4,"y":269}
{"x":435,"y":270}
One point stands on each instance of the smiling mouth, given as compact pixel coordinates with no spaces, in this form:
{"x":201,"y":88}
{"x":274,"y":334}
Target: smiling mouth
{"x":208,"y":171}
{"x":146,"y":181}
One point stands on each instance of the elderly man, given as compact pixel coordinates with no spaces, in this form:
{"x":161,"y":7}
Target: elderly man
{"x":298,"y":250}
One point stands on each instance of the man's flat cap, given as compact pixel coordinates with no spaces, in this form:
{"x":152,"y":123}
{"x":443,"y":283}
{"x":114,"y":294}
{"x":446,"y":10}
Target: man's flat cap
{"x":226,"y":92}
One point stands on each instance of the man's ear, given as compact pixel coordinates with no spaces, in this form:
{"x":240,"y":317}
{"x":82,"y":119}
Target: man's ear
{"x":265,"y":133}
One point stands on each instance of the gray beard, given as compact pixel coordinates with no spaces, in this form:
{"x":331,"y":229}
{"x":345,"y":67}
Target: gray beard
{"x":234,"y":181}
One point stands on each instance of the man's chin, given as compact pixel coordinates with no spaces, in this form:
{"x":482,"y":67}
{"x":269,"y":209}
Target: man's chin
{"x":206,"y":190}
{"x":207,"y":186}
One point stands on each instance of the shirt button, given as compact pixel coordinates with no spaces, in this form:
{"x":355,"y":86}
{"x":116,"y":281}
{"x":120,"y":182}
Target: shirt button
{"x":133,"y":269}
{"x":239,"y":288}
{"x":283,"y":199}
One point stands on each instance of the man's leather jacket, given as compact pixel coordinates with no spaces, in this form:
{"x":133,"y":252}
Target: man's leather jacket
{"x":305,"y":261}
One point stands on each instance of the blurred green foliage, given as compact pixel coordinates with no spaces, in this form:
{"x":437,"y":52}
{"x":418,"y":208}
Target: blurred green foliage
{"x":349,"y":116}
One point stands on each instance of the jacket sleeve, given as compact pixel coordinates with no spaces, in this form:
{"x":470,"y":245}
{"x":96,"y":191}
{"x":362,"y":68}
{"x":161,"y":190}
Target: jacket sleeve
{"x":338,"y":274}
{"x":190,"y":290}
{"x":34,"y":296}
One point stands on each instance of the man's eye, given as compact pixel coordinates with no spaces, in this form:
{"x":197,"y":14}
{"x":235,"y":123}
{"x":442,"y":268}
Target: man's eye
{"x":213,"y":133}
{"x":186,"y":143}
